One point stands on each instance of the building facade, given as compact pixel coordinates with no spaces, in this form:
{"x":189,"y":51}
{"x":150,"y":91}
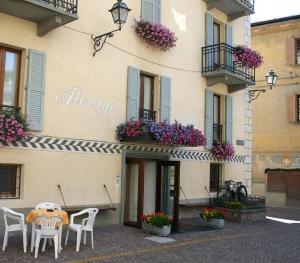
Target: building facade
{"x":276,"y":137}
{"x":74,"y":103}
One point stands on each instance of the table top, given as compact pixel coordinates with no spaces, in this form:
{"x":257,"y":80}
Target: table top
{"x":43,"y":212}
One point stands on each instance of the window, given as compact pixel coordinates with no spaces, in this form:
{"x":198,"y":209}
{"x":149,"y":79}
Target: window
{"x":216,"y":118}
{"x":147,"y":97}
{"x":215,"y":177}
{"x":216,"y":41}
{"x":10,"y":181}
{"x":298,"y":108}
{"x":298,"y":51}
{"x":9,"y":76}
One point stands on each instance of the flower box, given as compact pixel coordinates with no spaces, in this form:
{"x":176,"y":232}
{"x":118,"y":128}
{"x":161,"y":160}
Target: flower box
{"x":145,"y":137}
{"x":160,"y":231}
{"x":216,"y":223}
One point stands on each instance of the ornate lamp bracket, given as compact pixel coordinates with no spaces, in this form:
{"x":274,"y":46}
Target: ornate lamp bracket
{"x":254,"y":93}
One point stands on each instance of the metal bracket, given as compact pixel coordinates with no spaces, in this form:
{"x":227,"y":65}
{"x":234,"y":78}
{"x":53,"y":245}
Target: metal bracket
{"x":254,"y":93}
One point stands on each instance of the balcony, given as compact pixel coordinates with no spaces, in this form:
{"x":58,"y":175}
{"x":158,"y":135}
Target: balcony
{"x":48,"y":14}
{"x":218,"y":132}
{"x":147,"y":115}
{"x":234,"y":9}
{"x":219,"y":66}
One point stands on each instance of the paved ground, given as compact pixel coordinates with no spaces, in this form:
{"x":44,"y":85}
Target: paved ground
{"x":260,"y":242}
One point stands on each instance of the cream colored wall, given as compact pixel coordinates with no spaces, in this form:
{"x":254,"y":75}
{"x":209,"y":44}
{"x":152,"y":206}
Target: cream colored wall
{"x":70,"y":64}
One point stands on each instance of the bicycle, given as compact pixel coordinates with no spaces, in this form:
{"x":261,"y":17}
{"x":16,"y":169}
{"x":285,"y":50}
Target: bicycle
{"x":233,"y":191}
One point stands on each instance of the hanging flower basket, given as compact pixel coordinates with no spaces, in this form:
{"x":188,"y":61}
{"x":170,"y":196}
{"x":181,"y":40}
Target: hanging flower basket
{"x":156,"y":35}
{"x":162,"y":133}
{"x":223,"y":151}
{"x":13,"y":125}
{"x":247,"y":57}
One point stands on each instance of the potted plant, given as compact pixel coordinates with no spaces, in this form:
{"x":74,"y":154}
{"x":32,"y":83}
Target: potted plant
{"x":212,"y":217}
{"x":247,"y":57}
{"x":156,"y":223}
{"x":222,"y":151}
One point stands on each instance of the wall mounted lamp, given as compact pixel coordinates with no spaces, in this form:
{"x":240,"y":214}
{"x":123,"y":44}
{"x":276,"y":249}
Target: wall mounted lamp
{"x":119,"y":13}
{"x":271,"y":78}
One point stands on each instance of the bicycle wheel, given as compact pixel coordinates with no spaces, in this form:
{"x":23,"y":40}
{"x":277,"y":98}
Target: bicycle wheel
{"x":242,"y":193}
{"x":225,"y":193}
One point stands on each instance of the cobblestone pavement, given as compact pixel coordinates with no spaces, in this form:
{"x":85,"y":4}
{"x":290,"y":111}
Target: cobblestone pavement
{"x":257,"y":242}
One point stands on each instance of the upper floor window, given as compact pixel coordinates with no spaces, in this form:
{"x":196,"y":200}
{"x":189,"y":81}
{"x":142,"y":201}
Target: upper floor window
{"x":147,"y":97}
{"x":9,"y":76}
{"x":10,"y":181}
{"x":298,"y":51}
{"x":217,"y":127}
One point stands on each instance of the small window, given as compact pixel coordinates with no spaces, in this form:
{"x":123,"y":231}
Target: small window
{"x":217,"y":136}
{"x":298,"y":51}
{"x":147,"y":98}
{"x":10,"y":181}
{"x":215,"y":177}
{"x":298,"y":107}
{"x":9,"y":76}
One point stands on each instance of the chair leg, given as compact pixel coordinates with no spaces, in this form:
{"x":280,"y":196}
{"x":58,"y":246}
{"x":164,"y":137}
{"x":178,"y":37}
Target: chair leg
{"x":84,"y":237}
{"x":67,"y":235}
{"x":44,"y":244}
{"x":32,"y":237}
{"x":92,"y":239}
{"x":78,"y":240}
{"x":37,"y":244}
{"x":56,"y":246}
{"x":59,"y":239}
{"x":25,"y":240}
{"x":5,"y":240}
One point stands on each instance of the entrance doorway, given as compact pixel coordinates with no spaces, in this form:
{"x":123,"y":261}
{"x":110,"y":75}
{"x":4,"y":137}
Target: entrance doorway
{"x":151,"y":186}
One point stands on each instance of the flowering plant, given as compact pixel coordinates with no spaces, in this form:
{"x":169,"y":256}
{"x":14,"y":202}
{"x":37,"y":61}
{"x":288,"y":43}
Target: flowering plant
{"x":13,"y":126}
{"x":156,"y":219}
{"x":156,"y":35}
{"x":210,"y":213}
{"x":222,"y":151}
{"x":247,"y":57}
{"x":162,"y":132}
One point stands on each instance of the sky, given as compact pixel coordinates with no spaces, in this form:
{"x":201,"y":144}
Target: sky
{"x":269,"y":9}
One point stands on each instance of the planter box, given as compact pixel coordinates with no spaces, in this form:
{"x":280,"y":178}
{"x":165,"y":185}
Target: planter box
{"x":244,"y":215}
{"x":145,"y":138}
{"x":160,"y":231}
{"x":216,"y":223}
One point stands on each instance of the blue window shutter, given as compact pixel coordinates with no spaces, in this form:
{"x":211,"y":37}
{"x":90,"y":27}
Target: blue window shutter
{"x":229,"y":41}
{"x":165,"y":98}
{"x":148,"y":10}
{"x":209,"y":25}
{"x":133,"y":93}
{"x":157,"y":12}
{"x":229,"y":119}
{"x":36,"y":87}
{"x":209,"y":111}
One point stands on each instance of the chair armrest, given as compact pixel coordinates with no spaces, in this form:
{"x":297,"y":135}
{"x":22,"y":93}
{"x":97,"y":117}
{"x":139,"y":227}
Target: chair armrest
{"x":76,"y":214}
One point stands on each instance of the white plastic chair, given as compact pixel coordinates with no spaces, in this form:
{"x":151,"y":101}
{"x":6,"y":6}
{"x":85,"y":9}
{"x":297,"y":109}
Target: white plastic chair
{"x":49,"y":229}
{"x":86,"y":225}
{"x":45,"y":205}
{"x":21,"y":226}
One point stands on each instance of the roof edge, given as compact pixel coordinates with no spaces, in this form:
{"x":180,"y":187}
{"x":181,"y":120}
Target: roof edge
{"x":276,"y":20}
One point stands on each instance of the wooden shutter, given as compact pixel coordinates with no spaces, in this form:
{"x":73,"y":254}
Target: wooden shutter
{"x":36,"y":87}
{"x":209,"y":25}
{"x":157,"y":12}
{"x":276,"y":181}
{"x":165,"y":98}
{"x":293,"y":184}
{"x":133,"y":93}
{"x":148,"y":10}
{"x":209,"y":110}
{"x":229,"y":41}
{"x":290,"y":51}
{"x":291,"y":108}
{"x":229,"y":119}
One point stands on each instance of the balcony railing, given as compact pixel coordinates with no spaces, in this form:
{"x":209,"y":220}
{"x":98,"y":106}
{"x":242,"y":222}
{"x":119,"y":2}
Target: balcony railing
{"x":218,"y":132}
{"x":69,"y":6}
{"x":10,"y":108}
{"x":248,"y":3}
{"x":147,"y":114}
{"x":218,"y":60}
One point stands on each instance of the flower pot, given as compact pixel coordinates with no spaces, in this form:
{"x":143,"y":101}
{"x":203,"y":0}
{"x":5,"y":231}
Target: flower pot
{"x":216,"y":223}
{"x":160,"y":231}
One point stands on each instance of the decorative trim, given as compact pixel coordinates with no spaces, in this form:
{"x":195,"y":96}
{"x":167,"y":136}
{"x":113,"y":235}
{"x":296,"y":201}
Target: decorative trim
{"x":48,"y":143}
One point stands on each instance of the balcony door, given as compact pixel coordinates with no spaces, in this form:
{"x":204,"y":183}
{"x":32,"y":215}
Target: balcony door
{"x":216,"y":42}
{"x":147,"y":97}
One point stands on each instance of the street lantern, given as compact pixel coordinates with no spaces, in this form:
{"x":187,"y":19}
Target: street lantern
{"x":119,"y":13}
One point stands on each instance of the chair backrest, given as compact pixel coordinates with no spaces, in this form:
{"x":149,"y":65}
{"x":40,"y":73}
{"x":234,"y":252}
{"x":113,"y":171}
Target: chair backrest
{"x":92,"y":216}
{"x":9,"y":213}
{"x":48,"y":225}
{"x":47,"y":205}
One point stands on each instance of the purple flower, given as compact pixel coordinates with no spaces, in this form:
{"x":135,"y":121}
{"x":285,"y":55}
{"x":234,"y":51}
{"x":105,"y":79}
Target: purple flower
{"x":247,"y":57}
{"x":223,"y":151}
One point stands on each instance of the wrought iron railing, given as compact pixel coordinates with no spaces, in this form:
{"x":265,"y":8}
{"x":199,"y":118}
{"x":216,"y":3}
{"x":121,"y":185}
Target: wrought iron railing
{"x":248,"y":3}
{"x":69,"y":6}
{"x":218,"y":132}
{"x":10,"y":108}
{"x":147,"y":114}
{"x":221,"y":57}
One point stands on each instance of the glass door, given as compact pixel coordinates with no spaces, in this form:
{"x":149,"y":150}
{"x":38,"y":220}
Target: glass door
{"x":167,"y":190}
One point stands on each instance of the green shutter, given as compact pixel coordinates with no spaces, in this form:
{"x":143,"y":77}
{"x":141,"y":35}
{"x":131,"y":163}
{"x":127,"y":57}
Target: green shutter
{"x":36,"y":87}
{"x":151,"y":10}
{"x":133,"y":93}
{"x":165,"y":98}
{"x":229,"y":41}
{"x":209,"y":111}
{"x":229,"y":119}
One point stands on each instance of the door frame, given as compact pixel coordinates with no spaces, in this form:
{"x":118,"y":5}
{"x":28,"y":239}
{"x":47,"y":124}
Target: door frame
{"x":176,"y":189}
